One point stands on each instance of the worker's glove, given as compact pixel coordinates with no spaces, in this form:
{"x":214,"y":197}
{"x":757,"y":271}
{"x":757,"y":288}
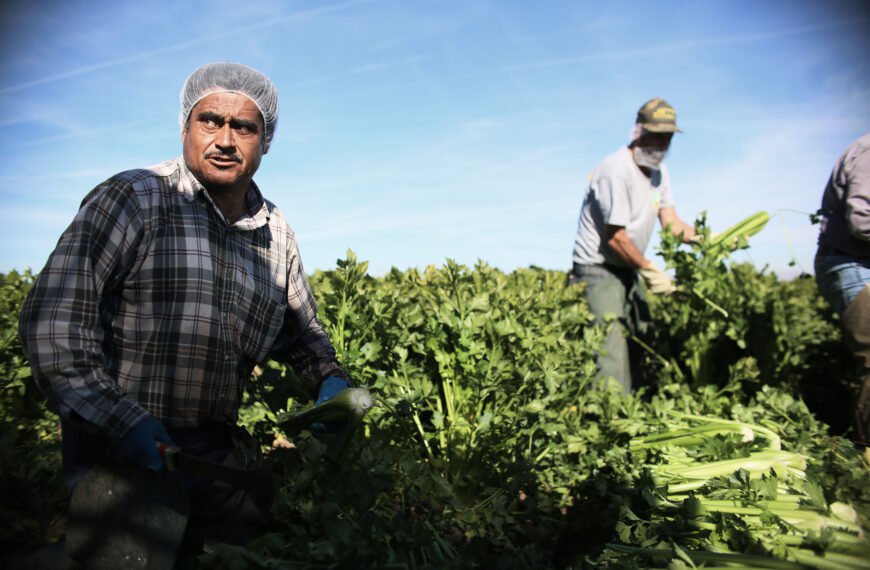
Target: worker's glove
{"x":657,"y":281}
{"x":139,"y":446}
{"x":330,"y":386}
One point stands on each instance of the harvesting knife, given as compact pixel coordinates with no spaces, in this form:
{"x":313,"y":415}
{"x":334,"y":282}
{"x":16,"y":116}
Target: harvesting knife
{"x":177,"y":460}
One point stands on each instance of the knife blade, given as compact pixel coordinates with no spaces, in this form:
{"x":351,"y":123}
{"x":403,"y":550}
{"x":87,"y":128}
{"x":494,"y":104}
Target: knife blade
{"x":177,"y":460}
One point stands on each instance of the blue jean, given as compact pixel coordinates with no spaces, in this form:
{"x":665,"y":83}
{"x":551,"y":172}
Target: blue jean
{"x":840,"y":278}
{"x":845,"y":283}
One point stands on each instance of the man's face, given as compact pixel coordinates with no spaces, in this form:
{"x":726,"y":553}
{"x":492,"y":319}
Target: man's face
{"x":223,"y":141}
{"x":660,"y":141}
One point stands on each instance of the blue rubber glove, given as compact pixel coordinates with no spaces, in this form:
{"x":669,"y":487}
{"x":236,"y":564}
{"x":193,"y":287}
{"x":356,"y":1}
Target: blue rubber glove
{"x":139,"y":446}
{"x":330,"y":386}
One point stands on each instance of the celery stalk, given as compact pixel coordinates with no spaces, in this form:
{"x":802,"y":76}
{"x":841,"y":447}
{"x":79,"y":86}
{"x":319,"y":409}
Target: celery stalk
{"x":829,"y":560}
{"x":707,"y":556}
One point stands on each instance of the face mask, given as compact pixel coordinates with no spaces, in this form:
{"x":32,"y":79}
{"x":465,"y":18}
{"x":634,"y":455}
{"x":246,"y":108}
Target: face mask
{"x":649,"y":157}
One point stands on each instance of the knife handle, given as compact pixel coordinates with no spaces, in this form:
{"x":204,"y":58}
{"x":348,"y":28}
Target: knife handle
{"x":168,"y":453}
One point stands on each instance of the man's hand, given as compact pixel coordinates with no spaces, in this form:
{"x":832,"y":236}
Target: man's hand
{"x":139,"y":446}
{"x":330,"y":386}
{"x":657,"y":281}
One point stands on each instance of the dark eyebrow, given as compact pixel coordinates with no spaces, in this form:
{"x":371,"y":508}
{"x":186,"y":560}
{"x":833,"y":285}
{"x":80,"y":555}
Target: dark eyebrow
{"x":209,"y":116}
{"x":250,"y":125}
{"x":235,"y":123}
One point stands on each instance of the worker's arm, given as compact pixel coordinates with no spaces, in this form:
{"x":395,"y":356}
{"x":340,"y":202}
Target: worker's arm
{"x":669,"y":219}
{"x":60,"y":322}
{"x":656,"y":280}
{"x":857,"y":197}
{"x":618,"y":241}
{"x":302,"y":342}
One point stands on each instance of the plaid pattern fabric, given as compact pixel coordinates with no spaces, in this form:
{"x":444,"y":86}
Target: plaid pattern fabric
{"x":152,"y":303}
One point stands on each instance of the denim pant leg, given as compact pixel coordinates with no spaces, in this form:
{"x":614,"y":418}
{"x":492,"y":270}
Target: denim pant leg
{"x":856,"y":326}
{"x":841,"y":278}
{"x":606,"y":296}
{"x":845,"y":283}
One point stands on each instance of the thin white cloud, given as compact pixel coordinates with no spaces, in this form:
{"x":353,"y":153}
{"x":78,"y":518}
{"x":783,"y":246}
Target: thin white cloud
{"x":380,"y":66}
{"x":414,"y":30}
{"x":358,"y":70}
{"x":473,"y":153}
{"x":684,"y":46}
{"x":59,"y":216}
{"x":14,"y":121}
{"x":78,"y":133}
{"x":467,"y":224}
{"x":88,"y":173}
{"x":223,"y":35}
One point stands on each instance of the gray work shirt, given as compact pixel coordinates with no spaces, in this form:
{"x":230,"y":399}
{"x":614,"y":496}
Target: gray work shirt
{"x":846,"y":204}
{"x":619,"y":194}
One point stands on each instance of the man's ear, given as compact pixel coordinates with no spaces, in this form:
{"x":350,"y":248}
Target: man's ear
{"x":184,"y":129}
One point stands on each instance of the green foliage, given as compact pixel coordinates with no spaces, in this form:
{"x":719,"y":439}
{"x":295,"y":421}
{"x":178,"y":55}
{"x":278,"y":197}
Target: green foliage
{"x":479,"y":377}
{"x":14,"y":400}
{"x":29,"y":452}
{"x":463,"y":357}
{"x":493,"y":447}
{"x":490,"y":446}
{"x":724,"y":313}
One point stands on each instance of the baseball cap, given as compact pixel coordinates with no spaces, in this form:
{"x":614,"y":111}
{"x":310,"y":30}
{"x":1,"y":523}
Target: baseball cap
{"x":656,"y":116}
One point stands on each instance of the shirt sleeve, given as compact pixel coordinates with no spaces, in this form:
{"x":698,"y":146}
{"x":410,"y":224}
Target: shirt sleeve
{"x":857,"y":196}
{"x":612,"y":195}
{"x":60,"y":323}
{"x":303,"y":343}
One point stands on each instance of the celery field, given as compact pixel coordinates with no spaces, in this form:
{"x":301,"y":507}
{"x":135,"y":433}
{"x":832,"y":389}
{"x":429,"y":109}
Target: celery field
{"x":492,"y":444}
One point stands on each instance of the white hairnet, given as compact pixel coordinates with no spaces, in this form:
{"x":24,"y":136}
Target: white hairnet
{"x":229,"y":77}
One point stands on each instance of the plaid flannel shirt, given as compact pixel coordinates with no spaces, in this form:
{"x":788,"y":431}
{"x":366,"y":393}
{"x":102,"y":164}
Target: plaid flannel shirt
{"x":153,"y":303}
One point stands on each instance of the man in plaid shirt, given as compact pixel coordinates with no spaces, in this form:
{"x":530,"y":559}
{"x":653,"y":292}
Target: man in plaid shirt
{"x":170,"y":284}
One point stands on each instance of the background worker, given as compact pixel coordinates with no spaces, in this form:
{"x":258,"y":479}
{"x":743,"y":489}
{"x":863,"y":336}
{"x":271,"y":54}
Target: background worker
{"x":627,"y":191}
{"x":169,"y":285}
{"x":842,"y":265}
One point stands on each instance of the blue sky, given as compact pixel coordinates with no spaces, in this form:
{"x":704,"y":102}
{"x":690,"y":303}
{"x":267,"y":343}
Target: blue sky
{"x":413,"y":132}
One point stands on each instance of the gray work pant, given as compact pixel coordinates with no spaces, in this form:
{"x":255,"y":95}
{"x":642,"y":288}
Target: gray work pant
{"x":616,"y":298}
